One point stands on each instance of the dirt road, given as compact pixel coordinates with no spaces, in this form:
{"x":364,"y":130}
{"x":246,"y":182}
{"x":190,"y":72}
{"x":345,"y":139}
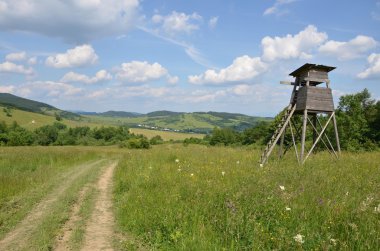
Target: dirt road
{"x":99,"y":226}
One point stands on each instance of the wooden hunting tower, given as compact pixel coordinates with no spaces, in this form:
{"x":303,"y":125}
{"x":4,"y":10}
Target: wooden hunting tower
{"x":308,"y":100}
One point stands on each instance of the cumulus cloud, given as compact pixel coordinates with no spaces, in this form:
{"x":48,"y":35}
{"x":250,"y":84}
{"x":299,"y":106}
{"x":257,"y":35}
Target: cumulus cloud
{"x":138,"y":72}
{"x":348,"y":50}
{"x":73,"y":20}
{"x":277,"y":7}
{"x":213,"y":22}
{"x":242,"y":68}
{"x":48,"y":89}
{"x":297,"y":46}
{"x":178,"y":22}
{"x":100,"y":76}
{"x":79,"y":56}
{"x":373,"y":70}
{"x":7,"y":88}
{"x":9,"y":67}
{"x":17,"y":56}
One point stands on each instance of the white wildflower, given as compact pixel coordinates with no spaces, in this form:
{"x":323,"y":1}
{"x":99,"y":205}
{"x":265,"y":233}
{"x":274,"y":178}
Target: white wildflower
{"x":261,"y":165}
{"x":333,"y":241}
{"x":179,"y":169}
{"x":347,"y":193}
{"x":377,"y":209}
{"x":223,"y":173}
{"x":299,"y":238}
{"x":33,"y":121}
{"x":282,"y":188}
{"x":238,"y":162}
{"x":288,"y":208}
{"x":176,"y":160}
{"x":191,"y":174}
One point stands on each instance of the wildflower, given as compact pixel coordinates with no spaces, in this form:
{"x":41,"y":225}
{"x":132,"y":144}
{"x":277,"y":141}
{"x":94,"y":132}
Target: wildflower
{"x":288,"y":208}
{"x":282,"y":188}
{"x":191,"y":174}
{"x":179,"y":169}
{"x":237,"y":162}
{"x":377,"y":209}
{"x":347,"y":193}
{"x":223,"y":173}
{"x":176,"y":160}
{"x":33,"y":121}
{"x":299,"y":238}
{"x":333,"y":241}
{"x":261,"y":165}
{"x":150,"y":167}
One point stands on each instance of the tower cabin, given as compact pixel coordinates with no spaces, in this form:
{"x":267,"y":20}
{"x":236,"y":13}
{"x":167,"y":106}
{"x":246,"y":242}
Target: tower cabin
{"x":310,"y":96}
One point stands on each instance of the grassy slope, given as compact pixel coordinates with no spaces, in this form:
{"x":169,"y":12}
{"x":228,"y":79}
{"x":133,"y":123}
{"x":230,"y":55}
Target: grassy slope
{"x":181,"y":121}
{"x":165,"y":135}
{"x":219,"y":199}
{"x":25,"y":119}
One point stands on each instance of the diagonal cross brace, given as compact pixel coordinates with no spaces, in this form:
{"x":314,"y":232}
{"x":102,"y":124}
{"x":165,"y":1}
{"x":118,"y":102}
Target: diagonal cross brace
{"x":319,"y":137}
{"x":278,"y":135}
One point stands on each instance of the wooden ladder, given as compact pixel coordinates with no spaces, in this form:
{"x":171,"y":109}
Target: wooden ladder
{"x":279,"y":131}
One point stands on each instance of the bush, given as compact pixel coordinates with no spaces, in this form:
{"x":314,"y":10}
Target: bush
{"x":136,"y":143}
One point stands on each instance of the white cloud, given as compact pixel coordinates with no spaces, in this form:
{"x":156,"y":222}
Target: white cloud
{"x":9,"y":67}
{"x":7,"y":88}
{"x":276,"y":8}
{"x":373,"y":70}
{"x":172,"y":79}
{"x":32,"y":61}
{"x":297,"y":46}
{"x":213,"y":22}
{"x":73,"y":20}
{"x":100,"y":76}
{"x":178,"y":22}
{"x":17,"y":56}
{"x":348,"y":50}
{"x":48,"y":89}
{"x":79,"y":56}
{"x":243,"y":68}
{"x":138,"y":72}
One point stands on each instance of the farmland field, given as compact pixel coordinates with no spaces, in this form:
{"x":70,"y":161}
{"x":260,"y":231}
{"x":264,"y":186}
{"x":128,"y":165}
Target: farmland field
{"x":175,"y":197}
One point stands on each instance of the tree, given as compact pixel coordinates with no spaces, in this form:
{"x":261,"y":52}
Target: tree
{"x":355,"y":115}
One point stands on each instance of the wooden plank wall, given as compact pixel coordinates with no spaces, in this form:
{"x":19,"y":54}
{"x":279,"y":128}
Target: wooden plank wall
{"x":315,"y":99}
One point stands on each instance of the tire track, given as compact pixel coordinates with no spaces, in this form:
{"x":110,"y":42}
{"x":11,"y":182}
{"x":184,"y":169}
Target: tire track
{"x":100,"y":229}
{"x":17,"y":238}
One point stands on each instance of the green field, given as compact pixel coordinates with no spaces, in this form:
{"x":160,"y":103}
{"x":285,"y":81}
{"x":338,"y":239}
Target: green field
{"x":165,"y":135}
{"x":175,"y":197}
{"x":31,"y":121}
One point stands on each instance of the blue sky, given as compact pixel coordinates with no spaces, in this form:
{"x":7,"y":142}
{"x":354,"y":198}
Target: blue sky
{"x":142,"y":56}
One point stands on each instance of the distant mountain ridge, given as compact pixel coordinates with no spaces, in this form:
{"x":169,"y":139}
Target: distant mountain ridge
{"x":199,"y":122}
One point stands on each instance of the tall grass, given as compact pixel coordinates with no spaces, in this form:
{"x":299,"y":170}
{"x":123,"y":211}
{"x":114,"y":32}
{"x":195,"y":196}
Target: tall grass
{"x":197,"y":198}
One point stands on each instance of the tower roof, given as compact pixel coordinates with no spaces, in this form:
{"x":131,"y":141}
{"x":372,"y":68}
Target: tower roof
{"x":307,"y":67}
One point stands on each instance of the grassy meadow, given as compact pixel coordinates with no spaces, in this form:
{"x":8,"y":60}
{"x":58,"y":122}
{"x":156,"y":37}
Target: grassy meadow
{"x":175,"y":197}
{"x":208,"y":198}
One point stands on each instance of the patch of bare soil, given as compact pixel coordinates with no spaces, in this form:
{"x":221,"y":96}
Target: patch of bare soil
{"x":18,"y":238}
{"x":100,"y":228}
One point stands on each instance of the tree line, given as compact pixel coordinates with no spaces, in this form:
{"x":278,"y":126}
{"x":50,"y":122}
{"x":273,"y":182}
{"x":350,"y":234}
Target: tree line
{"x":59,"y":134}
{"x":358,"y":118}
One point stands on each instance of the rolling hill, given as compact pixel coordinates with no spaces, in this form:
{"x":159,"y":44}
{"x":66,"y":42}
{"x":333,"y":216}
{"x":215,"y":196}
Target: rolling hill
{"x":25,"y":111}
{"x":12,"y":101}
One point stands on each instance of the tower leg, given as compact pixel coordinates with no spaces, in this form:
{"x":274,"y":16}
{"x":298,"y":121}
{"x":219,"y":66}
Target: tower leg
{"x":315,"y":126}
{"x":303,"y":137}
{"x":280,"y":150}
{"x":336,"y":134}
